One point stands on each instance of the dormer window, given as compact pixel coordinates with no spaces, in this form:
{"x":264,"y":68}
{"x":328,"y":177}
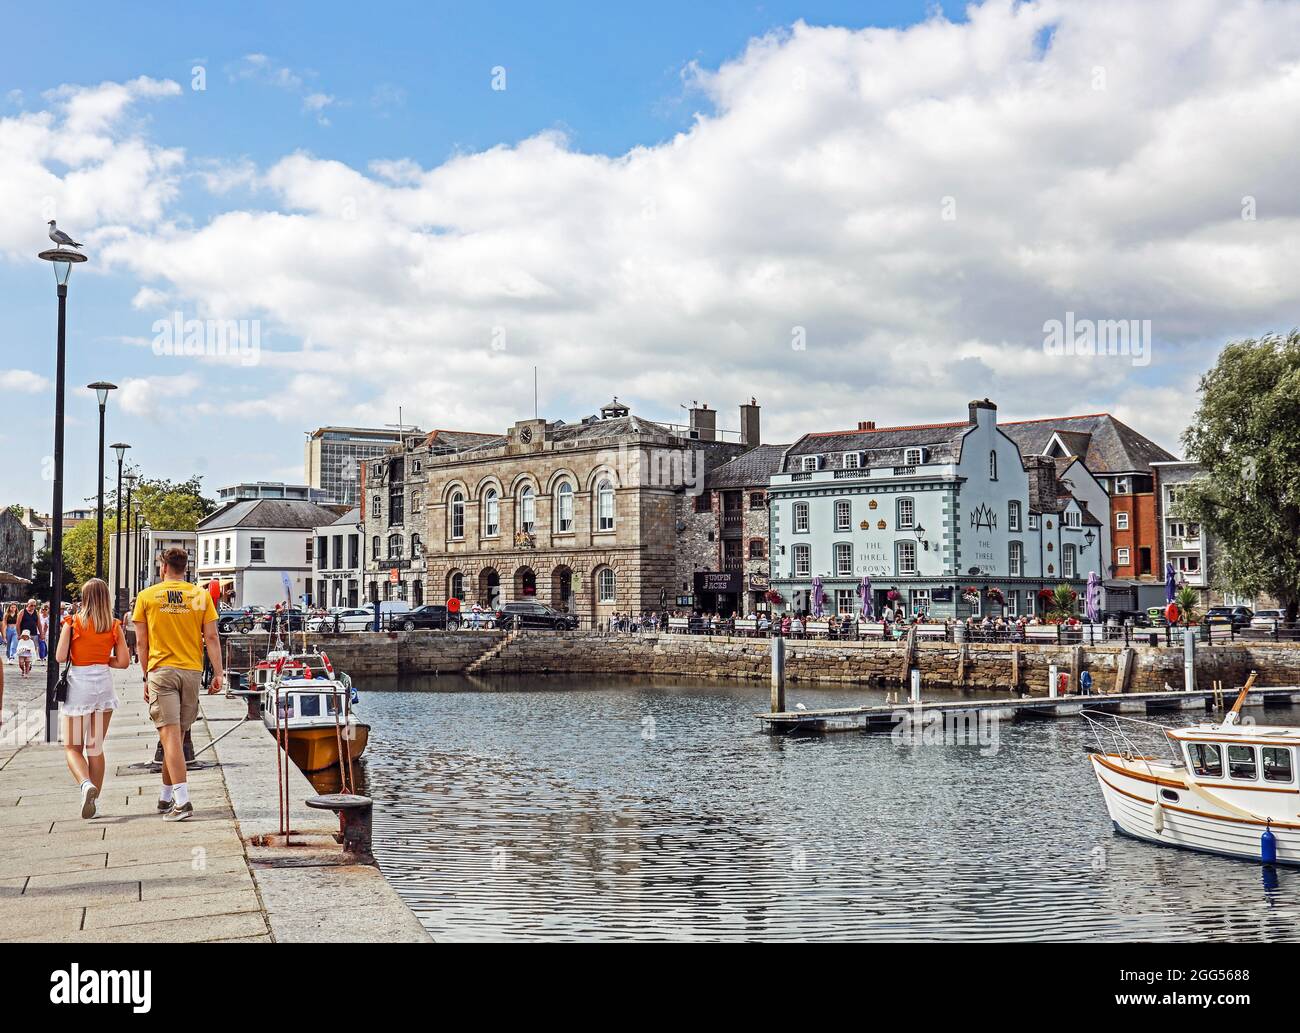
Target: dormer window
{"x":852,"y":460}
{"x":913,"y":457}
{"x":811,"y":462}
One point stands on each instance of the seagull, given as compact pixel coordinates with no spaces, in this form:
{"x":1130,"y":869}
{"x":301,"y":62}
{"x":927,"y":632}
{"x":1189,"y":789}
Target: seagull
{"x":61,"y":238}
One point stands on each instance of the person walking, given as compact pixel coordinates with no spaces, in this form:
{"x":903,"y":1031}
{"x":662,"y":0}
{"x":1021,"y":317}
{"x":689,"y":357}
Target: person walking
{"x":96,"y":646}
{"x":11,"y":631}
{"x":174,"y":622}
{"x":43,"y":643}
{"x":29,"y":620}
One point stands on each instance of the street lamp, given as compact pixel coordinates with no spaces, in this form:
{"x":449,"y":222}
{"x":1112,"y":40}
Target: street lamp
{"x":126,"y":576}
{"x":62,"y":259}
{"x":120,"y":449}
{"x":101,"y":389}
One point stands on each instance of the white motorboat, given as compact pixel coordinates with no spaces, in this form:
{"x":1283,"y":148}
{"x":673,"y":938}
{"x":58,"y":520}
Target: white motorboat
{"x":1226,"y":788}
{"x":310,"y":704}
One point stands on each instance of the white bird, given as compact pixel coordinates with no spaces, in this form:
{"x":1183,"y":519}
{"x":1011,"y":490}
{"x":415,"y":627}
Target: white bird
{"x":800,"y":706}
{"x":61,"y":238}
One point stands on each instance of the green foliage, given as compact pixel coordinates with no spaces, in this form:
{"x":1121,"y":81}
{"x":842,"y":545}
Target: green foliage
{"x":1188,"y":599}
{"x":163,"y":504}
{"x":41,"y":580}
{"x":1246,"y":436}
{"x":79,"y":551}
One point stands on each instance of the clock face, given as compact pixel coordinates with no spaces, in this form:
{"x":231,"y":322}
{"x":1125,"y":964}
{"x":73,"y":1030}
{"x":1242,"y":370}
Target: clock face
{"x":526,"y":435}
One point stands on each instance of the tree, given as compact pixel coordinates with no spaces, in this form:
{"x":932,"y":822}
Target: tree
{"x":44,"y":576}
{"x":79,"y":550}
{"x":1246,"y":437}
{"x":165,"y":505}
{"x":1187,"y":599}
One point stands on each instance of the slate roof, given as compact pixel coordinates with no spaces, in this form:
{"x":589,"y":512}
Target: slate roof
{"x":352,"y":516}
{"x":750,"y":469}
{"x":456,"y":440}
{"x":272,"y":514}
{"x":886,"y":444}
{"x":1105,"y":445}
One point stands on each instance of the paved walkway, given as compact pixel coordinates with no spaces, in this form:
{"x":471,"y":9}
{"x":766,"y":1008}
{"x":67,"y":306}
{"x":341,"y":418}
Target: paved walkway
{"x":129,"y":876}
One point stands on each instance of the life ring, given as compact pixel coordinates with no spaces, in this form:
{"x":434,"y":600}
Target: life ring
{"x":1172,"y":613}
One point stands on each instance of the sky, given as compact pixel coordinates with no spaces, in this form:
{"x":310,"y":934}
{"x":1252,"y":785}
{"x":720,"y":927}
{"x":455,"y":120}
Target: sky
{"x":302,"y":214}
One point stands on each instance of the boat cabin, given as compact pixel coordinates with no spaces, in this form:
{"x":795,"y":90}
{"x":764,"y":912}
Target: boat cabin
{"x":1241,"y":757}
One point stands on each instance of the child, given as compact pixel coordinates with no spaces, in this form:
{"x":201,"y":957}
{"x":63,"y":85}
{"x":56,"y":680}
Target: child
{"x":26,"y":652}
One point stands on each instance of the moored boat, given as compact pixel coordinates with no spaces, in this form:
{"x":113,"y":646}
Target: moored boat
{"x":1224,"y":789}
{"x":310,"y":704}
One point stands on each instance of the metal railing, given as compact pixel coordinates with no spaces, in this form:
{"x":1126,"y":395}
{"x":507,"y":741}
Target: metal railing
{"x":1118,"y":735}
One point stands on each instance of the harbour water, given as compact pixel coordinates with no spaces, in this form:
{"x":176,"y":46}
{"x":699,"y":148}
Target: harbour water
{"x":581,"y":808}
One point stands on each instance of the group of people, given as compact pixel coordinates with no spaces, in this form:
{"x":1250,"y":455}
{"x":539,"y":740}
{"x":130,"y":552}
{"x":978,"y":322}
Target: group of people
{"x":173,"y":624}
{"x":26,"y":632}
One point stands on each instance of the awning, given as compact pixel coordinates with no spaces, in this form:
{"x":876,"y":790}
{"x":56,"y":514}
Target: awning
{"x":13,"y":579}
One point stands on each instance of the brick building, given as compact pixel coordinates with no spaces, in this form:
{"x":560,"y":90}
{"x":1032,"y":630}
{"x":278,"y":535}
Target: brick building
{"x":581,"y":516}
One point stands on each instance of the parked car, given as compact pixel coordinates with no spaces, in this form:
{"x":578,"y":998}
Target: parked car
{"x":535,"y":615}
{"x":430,"y":615}
{"x":1237,"y":616}
{"x":345,"y":619}
{"x":240,"y":620}
{"x":292,"y":619}
{"x":1265,"y":620}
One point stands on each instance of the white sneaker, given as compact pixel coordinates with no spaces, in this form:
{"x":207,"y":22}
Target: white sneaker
{"x":88,"y":796}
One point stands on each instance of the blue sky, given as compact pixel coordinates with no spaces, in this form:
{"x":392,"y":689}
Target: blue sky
{"x":655,"y":205}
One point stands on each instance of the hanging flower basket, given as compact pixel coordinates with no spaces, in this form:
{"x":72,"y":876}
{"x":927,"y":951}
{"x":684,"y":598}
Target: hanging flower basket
{"x":970,"y":594}
{"x":996,"y":595}
{"x":892,"y":595}
{"x":773,"y":596}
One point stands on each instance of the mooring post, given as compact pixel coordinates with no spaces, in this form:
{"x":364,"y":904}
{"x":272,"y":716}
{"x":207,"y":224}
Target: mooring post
{"x":916,"y":685}
{"x":1051,"y":680}
{"x":778,"y":674}
{"x":1189,"y":659}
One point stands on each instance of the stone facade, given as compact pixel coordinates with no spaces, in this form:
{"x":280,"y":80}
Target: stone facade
{"x":15,"y":555}
{"x":578,"y":516}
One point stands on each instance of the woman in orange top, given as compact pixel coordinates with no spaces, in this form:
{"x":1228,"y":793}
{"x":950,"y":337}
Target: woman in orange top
{"x":95,"y":642}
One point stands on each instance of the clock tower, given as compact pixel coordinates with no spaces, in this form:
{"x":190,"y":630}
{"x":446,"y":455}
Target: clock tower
{"x":529,"y":435}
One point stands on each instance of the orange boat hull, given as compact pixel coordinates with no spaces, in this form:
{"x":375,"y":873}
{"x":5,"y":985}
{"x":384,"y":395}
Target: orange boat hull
{"x":315,"y":749}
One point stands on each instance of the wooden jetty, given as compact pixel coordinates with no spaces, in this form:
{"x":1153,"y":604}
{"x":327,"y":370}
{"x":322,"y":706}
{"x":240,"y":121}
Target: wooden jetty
{"x":883,"y":717}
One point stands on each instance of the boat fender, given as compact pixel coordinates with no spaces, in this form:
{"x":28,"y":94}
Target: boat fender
{"x":1268,"y":846}
{"x":1158,"y":817}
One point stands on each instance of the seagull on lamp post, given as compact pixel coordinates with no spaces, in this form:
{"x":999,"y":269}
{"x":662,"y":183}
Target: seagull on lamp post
{"x":61,"y":238}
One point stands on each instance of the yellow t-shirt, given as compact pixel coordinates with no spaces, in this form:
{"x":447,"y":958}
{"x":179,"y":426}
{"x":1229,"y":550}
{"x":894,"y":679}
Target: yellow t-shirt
{"x":174,"y":613}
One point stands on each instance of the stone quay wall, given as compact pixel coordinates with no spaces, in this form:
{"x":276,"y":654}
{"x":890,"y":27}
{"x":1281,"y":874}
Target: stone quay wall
{"x":987,"y":667}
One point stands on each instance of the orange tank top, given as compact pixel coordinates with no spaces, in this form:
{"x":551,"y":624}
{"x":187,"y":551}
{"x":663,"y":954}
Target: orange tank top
{"x":88,"y":645}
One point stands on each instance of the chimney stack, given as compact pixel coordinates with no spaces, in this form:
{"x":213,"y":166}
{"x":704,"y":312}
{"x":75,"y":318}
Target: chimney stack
{"x":749,"y":425}
{"x":866,"y":424}
{"x":704,"y":423}
{"x":974,"y":410}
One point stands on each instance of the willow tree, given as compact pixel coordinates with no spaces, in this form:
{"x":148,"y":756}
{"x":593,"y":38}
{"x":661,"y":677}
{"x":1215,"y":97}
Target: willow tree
{"x":1246,"y":437}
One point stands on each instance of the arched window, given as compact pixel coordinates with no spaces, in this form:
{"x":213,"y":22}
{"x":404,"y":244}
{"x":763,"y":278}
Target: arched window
{"x":491,"y":513}
{"x":417,"y":547}
{"x":456,"y":590}
{"x":802,"y":561}
{"x":993,"y":466}
{"x":801,"y":516}
{"x":605,"y":586}
{"x":375,"y":505}
{"x":604,"y":506}
{"x":457,"y":515}
{"x":375,"y":547}
{"x":416,"y":501}
{"x":564,"y":507}
{"x":527,"y":509}
{"x":394,"y":546}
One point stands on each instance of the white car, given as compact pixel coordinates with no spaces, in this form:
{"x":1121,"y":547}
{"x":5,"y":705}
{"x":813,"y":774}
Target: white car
{"x":348,"y":620}
{"x":1265,"y":619}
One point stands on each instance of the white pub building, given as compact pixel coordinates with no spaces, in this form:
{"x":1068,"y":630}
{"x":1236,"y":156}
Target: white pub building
{"x":945,"y":519}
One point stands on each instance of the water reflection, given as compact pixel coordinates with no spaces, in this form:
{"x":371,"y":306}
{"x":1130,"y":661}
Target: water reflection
{"x":571,"y":808}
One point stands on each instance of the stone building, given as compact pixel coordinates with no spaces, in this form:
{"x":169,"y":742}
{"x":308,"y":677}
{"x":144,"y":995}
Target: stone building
{"x":581,"y":516}
{"x":722,"y":535}
{"x":946,"y":519}
{"x":15,"y":557}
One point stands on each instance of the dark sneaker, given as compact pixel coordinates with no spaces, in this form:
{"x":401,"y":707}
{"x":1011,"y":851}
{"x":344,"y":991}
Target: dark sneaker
{"x":179,"y":812}
{"x":164,"y":806}
{"x":88,"y":794}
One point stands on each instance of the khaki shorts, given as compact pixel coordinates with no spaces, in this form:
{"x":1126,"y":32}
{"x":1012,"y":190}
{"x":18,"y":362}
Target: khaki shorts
{"x":174,"y":697}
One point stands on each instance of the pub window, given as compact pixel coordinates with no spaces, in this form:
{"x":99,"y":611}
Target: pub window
{"x":802,"y":561}
{"x":757,"y":548}
{"x":801,"y":516}
{"x":843,"y":559}
{"x":843,"y":515}
{"x":906,"y":513}
{"x":1013,"y":515}
{"x":993,"y":466}
{"x":906,"y":557}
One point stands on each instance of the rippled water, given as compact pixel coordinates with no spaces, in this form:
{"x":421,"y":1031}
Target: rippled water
{"x":567,"y":808}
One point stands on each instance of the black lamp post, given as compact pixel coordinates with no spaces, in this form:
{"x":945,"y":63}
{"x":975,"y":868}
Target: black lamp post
{"x":127,"y":570}
{"x":63,"y":259}
{"x":101,"y":389}
{"x":120,"y":449}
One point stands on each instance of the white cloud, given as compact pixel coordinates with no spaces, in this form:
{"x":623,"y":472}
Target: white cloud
{"x":813,"y":196}
{"x":156,"y":397}
{"x":23,"y":381}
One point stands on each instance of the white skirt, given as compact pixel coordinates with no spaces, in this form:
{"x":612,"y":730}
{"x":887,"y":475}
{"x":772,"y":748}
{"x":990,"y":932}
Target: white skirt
{"x":90,"y":690}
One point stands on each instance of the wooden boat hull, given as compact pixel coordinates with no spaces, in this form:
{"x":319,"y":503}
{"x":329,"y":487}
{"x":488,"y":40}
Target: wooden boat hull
{"x":1187,"y":819}
{"x":315,"y":749}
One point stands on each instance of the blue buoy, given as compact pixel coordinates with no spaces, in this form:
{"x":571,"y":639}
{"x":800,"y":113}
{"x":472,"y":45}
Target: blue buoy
{"x":1268,"y":847}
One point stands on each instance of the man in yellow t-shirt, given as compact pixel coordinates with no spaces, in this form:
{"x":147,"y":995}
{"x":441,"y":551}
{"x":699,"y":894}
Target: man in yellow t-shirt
{"x":174,"y":622}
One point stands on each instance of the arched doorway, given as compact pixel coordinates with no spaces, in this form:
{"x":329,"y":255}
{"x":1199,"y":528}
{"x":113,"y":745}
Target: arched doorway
{"x":562,"y":589}
{"x":456,"y":586}
{"x":489,"y":588}
{"x":417,"y":592}
{"x":525,"y":583}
